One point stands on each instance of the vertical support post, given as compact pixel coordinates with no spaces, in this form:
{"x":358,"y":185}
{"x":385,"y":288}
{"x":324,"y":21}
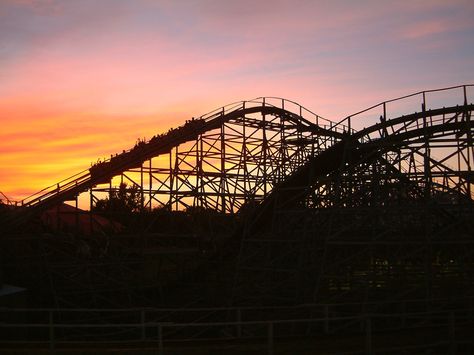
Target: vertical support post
{"x":426,"y":166}
{"x":76,"y":212}
{"x":243,"y":162}
{"x":470,"y":150}
{"x":58,"y":224}
{"x":244,"y":148}
{"x":270,"y":338}
{"x":223,"y":177}
{"x":91,"y":205}
{"x":428,"y":184}
{"x":265,"y":149}
{"x":201,"y":148}
{"x":150,"y":185}
{"x":282,"y":144}
{"x":197,"y":196}
{"x":171,"y":181}
{"x":318,"y":140}
{"x":175,"y":173}
{"x":142,"y":192}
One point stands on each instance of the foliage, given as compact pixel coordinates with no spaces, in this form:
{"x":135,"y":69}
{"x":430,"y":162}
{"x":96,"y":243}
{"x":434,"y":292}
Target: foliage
{"x":124,"y":200}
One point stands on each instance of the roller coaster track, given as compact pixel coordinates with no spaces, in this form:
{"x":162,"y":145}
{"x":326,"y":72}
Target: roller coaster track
{"x":299,"y":183}
{"x":331,"y":139}
{"x":372,"y":143}
{"x":334,"y":210}
{"x":104,"y":171}
{"x":5,"y":198}
{"x":362,"y":147}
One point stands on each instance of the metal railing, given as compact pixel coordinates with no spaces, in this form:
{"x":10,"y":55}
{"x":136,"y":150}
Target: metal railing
{"x":416,"y":102}
{"x":5,"y":200}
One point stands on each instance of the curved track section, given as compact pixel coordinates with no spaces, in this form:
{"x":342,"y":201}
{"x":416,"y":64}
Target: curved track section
{"x":219,"y":160}
{"x":392,"y":199}
{"x":432,"y":150}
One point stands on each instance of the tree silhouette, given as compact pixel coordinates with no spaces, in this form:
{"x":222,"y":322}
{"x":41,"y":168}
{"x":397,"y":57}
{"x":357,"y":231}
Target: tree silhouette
{"x":123,"y":200}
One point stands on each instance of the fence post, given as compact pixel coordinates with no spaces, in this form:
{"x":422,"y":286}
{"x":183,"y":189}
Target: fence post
{"x":238,"y":317}
{"x":368,"y":335}
{"x":404,"y":317}
{"x":142,"y":321}
{"x":326,"y":319}
{"x":452,"y":333}
{"x":470,"y":309}
{"x":51,"y":332}
{"x":160,"y":339}
{"x":270,"y":338}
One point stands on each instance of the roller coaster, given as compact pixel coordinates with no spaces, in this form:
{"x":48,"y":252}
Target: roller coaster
{"x":263,"y":203}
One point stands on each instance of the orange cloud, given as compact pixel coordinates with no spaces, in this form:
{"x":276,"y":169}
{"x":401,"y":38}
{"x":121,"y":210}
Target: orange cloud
{"x":83,"y":80}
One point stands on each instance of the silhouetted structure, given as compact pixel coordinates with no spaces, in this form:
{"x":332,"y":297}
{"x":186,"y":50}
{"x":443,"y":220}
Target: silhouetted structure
{"x":262,"y":203}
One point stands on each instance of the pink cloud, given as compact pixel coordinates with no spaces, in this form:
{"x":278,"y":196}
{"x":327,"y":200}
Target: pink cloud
{"x":426,"y":28}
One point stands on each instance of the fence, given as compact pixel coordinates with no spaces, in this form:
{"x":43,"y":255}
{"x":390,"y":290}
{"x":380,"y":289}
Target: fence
{"x":166,"y":329}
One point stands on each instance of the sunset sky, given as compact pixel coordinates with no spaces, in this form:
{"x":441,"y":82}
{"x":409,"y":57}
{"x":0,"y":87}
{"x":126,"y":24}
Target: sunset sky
{"x":81,"y":79}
